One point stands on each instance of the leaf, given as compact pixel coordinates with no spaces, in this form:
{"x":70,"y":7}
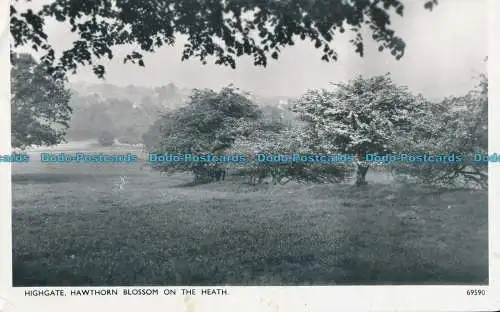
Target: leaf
{"x":429,"y":5}
{"x":399,"y":10}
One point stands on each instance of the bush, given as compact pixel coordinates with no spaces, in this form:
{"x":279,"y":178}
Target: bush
{"x":106,"y":138}
{"x":457,"y":125}
{"x":276,"y":138}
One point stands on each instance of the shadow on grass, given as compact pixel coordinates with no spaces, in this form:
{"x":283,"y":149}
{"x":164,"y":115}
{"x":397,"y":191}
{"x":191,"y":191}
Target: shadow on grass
{"x":191,"y":184}
{"x":51,"y":178}
{"x":28,"y":276}
{"x":74,"y":177}
{"x":294,"y":271}
{"x":361,"y":272}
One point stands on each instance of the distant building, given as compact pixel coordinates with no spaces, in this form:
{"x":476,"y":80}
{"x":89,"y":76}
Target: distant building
{"x":282,"y":103}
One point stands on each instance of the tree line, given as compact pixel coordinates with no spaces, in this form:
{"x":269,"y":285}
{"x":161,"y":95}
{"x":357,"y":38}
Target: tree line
{"x":367,"y":114}
{"x":363,"y":115}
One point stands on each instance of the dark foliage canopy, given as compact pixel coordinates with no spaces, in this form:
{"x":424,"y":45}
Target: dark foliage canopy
{"x":39,"y":104}
{"x":225,"y":29}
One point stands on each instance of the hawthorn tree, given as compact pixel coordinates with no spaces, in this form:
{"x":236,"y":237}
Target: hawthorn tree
{"x":268,"y":135}
{"x":365,"y":115}
{"x":209,"y":123}
{"x":274,"y":137}
{"x":225,"y":29}
{"x":457,"y":125}
{"x":39,"y":104}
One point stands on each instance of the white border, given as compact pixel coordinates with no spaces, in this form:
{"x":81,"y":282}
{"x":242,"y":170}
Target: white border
{"x":357,"y":298}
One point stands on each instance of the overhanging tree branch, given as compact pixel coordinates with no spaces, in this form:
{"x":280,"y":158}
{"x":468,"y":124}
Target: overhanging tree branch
{"x":224,"y":29}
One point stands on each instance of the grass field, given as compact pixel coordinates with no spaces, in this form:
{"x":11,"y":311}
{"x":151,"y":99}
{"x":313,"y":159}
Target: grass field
{"x":75,"y":226}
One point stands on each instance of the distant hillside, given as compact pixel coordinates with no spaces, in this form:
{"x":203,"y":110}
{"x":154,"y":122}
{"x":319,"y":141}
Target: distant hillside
{"x":165,"y":97}
{"x":129,"y":111}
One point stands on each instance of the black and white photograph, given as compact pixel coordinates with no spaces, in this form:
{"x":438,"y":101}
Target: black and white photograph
{"x":249,"y":143}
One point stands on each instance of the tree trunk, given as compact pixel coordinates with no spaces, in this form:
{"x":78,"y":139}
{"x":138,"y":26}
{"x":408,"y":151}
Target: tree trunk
{"x":361,"y":175}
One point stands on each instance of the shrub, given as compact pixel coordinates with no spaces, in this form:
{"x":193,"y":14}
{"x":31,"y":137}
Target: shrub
{"x":457,"y":125}
{"x":106,"y":138}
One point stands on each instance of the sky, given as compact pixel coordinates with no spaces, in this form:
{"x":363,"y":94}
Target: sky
{"x":445,"y":53}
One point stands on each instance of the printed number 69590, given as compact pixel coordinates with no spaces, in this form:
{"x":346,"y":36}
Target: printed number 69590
{"x":476,"y":292}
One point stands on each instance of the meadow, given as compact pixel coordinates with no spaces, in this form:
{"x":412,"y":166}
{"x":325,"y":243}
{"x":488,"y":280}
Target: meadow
{"x":89,"y":225}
